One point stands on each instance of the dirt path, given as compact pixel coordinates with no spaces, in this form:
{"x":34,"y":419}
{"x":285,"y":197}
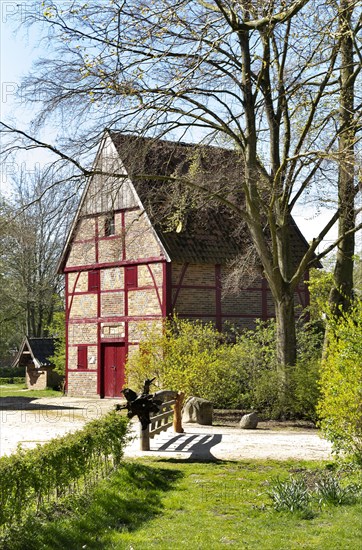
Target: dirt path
{"x":28,"y":422}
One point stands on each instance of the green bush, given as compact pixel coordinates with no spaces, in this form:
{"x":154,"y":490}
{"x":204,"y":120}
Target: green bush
{"x":196,"y":359}
{"x":10,"y":372}
{"x":57,"y":330}
{"x":13,"y":380}
{"x":182,"y":357}
{"x":32,"y":478}
{"x":340,"y":406}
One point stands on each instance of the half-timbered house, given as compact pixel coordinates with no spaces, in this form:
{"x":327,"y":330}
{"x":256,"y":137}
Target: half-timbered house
{"x":131,"y":258}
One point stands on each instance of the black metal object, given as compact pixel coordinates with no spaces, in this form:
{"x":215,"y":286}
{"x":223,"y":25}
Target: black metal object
{"x":141,"y":405}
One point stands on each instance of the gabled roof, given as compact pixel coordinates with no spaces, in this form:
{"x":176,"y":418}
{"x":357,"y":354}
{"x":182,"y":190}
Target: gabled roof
{"x":202,"y":235}
{"x":39,"y":349}
{"x":204,"y":231}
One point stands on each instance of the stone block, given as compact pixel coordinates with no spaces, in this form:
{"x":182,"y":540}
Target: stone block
{"x":198,"y":410}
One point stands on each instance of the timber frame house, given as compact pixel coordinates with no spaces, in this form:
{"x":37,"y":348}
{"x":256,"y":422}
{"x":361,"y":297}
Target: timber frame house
{"x":129,"y":260}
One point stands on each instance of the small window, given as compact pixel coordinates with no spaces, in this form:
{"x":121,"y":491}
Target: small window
{"x":93,"y":281}
{"x":131,"y":277}
{"x":82,"y":359}
{"x":109,"y":226}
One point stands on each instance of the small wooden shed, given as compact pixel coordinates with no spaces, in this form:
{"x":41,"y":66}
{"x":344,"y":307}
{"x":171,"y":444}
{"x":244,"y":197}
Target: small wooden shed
{"x":34,"y":355}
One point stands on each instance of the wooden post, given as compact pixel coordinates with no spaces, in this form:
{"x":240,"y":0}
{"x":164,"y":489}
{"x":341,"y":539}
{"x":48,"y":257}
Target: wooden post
{"x":145,"y":439}
{"x":177,"y":417}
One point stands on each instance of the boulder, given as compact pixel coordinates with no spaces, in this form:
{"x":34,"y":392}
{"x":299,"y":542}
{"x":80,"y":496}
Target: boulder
{"x":249,"y":421}
{"x":197,"y":410}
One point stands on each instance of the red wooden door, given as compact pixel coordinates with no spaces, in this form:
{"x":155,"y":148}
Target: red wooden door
{"x":113,"y":360}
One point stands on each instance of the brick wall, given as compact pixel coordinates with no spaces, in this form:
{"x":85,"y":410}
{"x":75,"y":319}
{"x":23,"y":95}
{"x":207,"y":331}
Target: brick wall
{"x":149,"y":273}
{"x":143,"y":303}
{"x":195,"y":301}
{"x":112,"y":304}
{"x":83,"y":306}
{"x":246,"y":301}
{"x":36,"y":379}
{"x":82,"y":333}
{"x":92,"y":356}
{"x":82,"y":254}
{"x":139,"y":238}
{"x":82,"y":384}
{"x":85,"y":229}
{"x":112,"y":278}
{"x":78,"y":282}
{"x":110,"y":250}
{"x":195,"y":294}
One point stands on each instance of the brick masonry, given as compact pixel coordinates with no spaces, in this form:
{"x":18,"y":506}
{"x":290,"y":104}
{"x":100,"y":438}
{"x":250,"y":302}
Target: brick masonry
{"x":82,"y":384}
{"x":113,"y":312}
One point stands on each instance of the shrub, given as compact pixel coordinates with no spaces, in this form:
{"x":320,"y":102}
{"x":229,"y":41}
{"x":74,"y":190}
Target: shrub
{"x":196,"y":359}
{"x":57,"y":329}
{"x":42,"y":475}
{"x":340,"y":406}
{"x":12,"y":372}
{"x":182,"y":357}
{"x":12,"y":380}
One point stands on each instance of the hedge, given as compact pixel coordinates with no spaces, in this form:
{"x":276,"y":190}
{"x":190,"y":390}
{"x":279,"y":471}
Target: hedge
{"x":34,"y":478}
{"x":13,"y":380}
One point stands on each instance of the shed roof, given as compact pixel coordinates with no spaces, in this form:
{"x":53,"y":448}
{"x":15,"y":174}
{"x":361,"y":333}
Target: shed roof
{"x":40,"y":349}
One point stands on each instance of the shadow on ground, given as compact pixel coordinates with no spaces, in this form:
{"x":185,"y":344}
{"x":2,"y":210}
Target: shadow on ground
{"x":133,"y":498}
{"x":199,"y":446}
{"x":27,"y":403}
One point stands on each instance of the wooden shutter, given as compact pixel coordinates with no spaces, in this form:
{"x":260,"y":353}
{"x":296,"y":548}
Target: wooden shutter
{"x":93,"y":281}
{"x":82,"y":362}
{"x":131,"y":276}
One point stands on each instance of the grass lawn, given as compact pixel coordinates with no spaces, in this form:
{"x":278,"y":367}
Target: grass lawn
{"x":20,"y":390}
{"x":168,"y":504}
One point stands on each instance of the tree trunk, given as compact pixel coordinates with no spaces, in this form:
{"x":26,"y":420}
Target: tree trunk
{"x":342,"y":293}
{"x":286,"y":335}
{"x":286,"y":346}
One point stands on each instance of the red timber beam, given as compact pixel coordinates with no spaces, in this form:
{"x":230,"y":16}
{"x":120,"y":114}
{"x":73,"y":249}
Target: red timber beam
{"x":179,"y":285}
{"x":167,"y":289}
{"x":218,"y":297}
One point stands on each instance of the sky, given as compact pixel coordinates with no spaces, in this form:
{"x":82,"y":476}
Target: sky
{"x":17,"y":53}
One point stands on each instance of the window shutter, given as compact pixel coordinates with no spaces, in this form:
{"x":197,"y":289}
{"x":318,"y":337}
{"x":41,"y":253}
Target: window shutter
{"x":131,"y":276}
{"x":82,"y":362}
{"x":93,"y":281}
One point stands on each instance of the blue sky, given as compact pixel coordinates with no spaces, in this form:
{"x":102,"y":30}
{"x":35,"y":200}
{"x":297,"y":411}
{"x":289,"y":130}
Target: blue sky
{"x":17,"y":53}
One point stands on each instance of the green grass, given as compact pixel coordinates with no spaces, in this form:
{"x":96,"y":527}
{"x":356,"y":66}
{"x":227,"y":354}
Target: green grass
{"x":20,"y":390}
{"x":167,"y":504}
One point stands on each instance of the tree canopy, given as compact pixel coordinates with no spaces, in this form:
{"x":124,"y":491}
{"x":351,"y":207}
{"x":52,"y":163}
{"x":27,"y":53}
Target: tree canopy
{"x":260,"y":77}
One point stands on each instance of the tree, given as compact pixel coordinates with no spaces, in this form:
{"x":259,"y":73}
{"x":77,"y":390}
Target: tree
{"x":9,"y":319}
{"x":258,"y":76}
{"x":57,"y":330}
{"x":33,"y":228}
{"x":341,"y":296}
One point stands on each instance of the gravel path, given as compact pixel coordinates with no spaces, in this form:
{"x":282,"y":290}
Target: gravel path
{"x":28,"y":422}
